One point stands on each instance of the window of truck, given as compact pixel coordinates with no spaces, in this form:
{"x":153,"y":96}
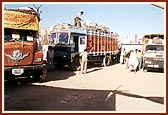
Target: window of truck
{"x":63,"y":38}
{"x":82,"y":40}
{"x":53,"y":36}
{"x":155,"y":47}
{"x":25,"y":35}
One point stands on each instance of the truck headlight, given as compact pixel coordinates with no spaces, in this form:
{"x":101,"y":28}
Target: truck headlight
{"x":149,"y":62}
{"x":37,"y":60}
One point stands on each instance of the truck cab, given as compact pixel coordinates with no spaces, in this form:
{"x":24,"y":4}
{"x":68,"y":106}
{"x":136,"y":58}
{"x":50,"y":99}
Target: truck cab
{"x":22,"y":56}
{"x":68,"y":43}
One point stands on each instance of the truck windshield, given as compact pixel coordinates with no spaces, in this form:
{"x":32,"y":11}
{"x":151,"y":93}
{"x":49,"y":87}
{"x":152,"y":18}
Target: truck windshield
{"x":155,"y":47}
{"x":19,"y":35}
{"x":63,"y":38}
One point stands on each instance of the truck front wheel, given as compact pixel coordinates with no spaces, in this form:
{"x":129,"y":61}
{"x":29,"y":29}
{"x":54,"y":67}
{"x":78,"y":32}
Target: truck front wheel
{"x":75,"y":64}
{"x":106,"y":61}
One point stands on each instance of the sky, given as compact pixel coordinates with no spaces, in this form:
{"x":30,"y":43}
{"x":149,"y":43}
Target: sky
{"x":126,"y":19}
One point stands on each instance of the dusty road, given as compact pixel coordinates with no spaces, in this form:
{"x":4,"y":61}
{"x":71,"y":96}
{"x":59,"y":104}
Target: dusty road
{"x":70,"y":91}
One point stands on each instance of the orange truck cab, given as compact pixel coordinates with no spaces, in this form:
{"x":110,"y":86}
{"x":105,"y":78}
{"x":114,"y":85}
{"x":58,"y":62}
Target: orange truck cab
{"x":22,"y":56}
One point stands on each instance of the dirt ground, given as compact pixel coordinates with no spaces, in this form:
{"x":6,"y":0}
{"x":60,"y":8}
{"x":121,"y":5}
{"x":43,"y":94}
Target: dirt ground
{"x":66,"y":90}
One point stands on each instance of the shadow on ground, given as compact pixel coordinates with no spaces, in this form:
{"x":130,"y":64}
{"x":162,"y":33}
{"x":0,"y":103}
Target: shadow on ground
{"x":43,"y":98}
{"x":28,"y":97}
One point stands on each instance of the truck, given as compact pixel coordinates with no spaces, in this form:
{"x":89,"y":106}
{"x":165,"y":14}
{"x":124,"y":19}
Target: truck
{"x":22,"y":56}
{"x":69,"y":41}
{"x":153,"y":51}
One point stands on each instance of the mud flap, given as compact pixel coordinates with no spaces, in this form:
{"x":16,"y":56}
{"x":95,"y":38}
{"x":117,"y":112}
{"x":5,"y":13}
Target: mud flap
{"x":44,"y":73}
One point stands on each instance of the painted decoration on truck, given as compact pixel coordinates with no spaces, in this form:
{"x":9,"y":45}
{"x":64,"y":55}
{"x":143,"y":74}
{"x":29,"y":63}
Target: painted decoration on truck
{"x":20,"y":20}
{"x":17,"y":55}
{"x":77,"y":30}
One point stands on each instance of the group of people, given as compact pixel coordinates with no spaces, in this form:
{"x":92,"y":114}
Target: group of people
{"x":132,"y":59}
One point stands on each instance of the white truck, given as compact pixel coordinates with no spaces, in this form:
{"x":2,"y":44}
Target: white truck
{"x":153,"y":51}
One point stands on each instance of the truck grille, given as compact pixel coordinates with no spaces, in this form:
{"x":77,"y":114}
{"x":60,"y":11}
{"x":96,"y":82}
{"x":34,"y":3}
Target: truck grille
{"x":18,"y":56}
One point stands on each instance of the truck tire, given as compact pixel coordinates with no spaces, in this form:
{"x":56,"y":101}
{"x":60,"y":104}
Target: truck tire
{"x":75,"y":65}
{"x":106,"y":61}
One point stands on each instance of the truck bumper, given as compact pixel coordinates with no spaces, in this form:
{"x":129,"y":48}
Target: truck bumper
{"x":28,"y":71}
{"x":154,"y":64}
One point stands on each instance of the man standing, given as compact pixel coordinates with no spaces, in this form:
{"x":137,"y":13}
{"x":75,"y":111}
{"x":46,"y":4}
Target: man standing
{"x":84,"y":61}
{"x":50,"y":56}
{"x":139,"y":57}
{"x":122,"y":56}
{"x":127,"y":58}
{"x":78,"y":19}
{"x":133,"y":62}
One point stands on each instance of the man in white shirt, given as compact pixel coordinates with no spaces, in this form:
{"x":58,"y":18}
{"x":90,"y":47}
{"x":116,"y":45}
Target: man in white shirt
{"x":84,"y":61}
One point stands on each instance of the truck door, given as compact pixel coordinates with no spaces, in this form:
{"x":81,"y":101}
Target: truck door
{"x":82,"y":43}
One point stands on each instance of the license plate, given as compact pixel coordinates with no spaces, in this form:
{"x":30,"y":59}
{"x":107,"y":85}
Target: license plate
{"x":154,"y":66}
{"x":17,"y":71}
{"x":150,"y":65}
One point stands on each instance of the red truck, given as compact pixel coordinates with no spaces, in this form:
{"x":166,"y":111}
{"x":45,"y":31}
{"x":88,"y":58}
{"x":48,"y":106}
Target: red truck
{"x":22,"y":56}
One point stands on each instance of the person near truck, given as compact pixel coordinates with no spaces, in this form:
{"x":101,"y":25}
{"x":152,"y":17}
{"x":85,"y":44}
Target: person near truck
{"x":78,"y":19}
{"x":139,"y":58}
{"x":133,"y":62}
{"x":127,"y":58}
{"x":50,"y":57}
{"x":122,"y":56}
{"x":84,"y":61}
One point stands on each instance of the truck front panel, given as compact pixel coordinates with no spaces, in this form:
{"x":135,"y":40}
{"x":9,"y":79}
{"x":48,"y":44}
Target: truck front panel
{"x":154,"y":62}
{"x":16,"y":55}
{"x":62,"y":55}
